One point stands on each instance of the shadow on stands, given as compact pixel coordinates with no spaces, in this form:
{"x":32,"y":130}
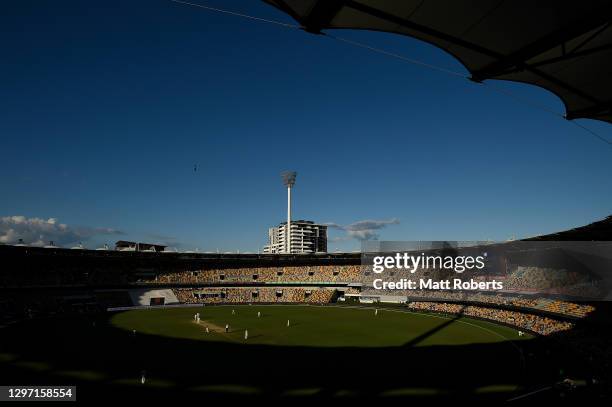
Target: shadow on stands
{"x":104,"y":361}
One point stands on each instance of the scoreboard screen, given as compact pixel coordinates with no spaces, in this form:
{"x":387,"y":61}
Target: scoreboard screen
{"x":157,"y":301}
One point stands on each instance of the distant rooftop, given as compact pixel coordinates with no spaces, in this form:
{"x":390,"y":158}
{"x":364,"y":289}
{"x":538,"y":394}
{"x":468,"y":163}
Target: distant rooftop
{"x":124,"y":245}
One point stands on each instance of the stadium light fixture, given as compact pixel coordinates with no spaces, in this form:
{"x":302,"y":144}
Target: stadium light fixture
{"x":289,"y":181}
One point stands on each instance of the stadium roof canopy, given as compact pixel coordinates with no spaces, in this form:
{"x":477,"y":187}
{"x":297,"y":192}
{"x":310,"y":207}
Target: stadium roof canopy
{"x":562,"y":46}
{"x":600,"y":231}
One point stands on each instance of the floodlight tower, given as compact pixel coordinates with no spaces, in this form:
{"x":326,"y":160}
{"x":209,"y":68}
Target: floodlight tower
{"x":289,"y":181}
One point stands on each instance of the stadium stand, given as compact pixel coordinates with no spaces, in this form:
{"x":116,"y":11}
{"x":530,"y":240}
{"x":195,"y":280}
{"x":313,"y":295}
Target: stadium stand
{"x":255,"y":295}
{"x":280,"y":275}
{"x":107,"y":278}
{"x":533,"y":323}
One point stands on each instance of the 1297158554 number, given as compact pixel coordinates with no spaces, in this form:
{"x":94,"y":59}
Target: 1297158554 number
{"x":51,"y":393}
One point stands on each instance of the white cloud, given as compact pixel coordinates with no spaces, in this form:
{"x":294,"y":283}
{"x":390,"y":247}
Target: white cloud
{"x":39,"y":232}
{"x":364,"y":229}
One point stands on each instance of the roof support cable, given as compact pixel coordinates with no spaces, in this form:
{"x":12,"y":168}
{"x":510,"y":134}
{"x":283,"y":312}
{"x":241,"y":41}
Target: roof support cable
{"x":416,"y":62}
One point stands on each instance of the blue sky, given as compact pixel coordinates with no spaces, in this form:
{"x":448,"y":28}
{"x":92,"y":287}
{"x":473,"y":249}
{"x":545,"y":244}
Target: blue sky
{"x":107,"y":105}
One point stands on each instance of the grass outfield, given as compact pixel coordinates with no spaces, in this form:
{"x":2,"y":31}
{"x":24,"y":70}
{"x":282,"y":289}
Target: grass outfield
{"x":314,"y":326}
{"x":326,"y":351}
